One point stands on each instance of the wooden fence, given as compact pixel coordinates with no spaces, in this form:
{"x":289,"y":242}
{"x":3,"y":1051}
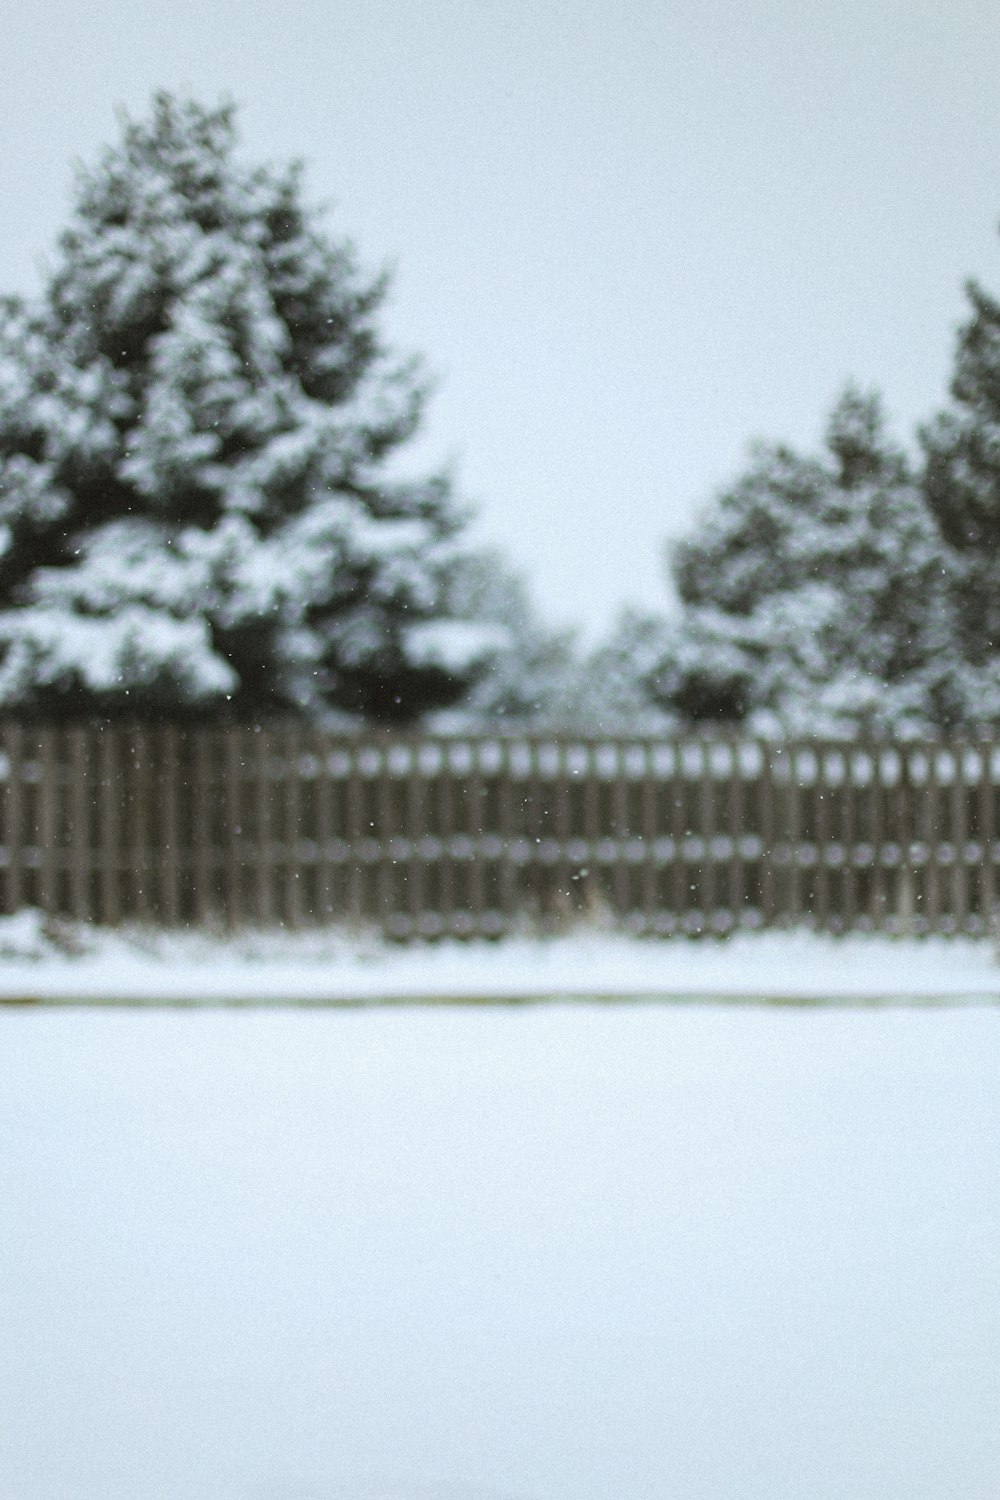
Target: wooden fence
{"x":427,"y":836}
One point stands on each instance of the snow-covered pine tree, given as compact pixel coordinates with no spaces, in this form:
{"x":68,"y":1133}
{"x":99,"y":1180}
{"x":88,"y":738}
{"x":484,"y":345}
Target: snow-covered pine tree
{"x":961,"y":480}
{"x":525,"y":670}
{"x":199,"y":510}
{"x":812,"y":593}
{"x":612,"y":691}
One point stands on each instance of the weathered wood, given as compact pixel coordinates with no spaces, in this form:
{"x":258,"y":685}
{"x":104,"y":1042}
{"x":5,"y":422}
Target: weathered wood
{"x":109,"y":835}
{"x":650,"y":832}
{"x":171,"y":902}
{"x":235,"y":751}
{"x":768,"y":835}
{"x":49,"y":808}
{"x":877,"y":901}
{"x":13,"y":818}
{"x":987,"y":839}
{"x":139,"y":810}
{"x":469,"y":835}
{"x":822,"y":911}
{"x":292,"y":869}
{"x":932,"y":841}
{"x":356,"y":833}
{"x":851,"y":837}
{"x":81,"y":844}
{"x":202,"y":850}
{"x":960,"y":838}
{"x":263,"y":857}
{"x":476,"y":805}
{"x":736,"y":875}
{"x":326,"y":870}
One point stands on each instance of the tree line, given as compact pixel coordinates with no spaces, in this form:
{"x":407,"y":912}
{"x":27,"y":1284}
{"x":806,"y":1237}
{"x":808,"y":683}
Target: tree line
{"x":204,"y":513}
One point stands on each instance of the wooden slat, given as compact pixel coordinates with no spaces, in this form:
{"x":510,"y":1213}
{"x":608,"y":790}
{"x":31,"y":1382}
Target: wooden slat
{"x":13,"y":818}
{"x":202,"y":848}
{"x":476,"y":805}
{"x":793,"y":835}
{"x":507,"y":828}
{"x":235,"y":749}
{"x":960,"y":835}
{"x":851,"y":832}
{"x":326,"y":882}
{"x":906,"y":891}
{"x":593,"y":886}
{"x":81,"y":845}
{"x":736,"y":879}
{"x":415,"y":830}
{"x":445,"y":813}
{"x":768,"y":836}
{"x":384,"y":832}
{"x":356,"y":830}
{"x":49,"y":808}
{"x":291,"y":808}
{"x":823,"y":909}
{"x":704,"y":831}
{"x":987,"y":830}
{"x":109,"y":835}
{"x":680,"y":889}
{"x":619,"y":831}
{"x":877,"y":904}
{"x":650,"y":793}
{"x":932,"y":839}
{"x":169,"y":779}
{"x":264,"y":893}
{"x":138,"y":895}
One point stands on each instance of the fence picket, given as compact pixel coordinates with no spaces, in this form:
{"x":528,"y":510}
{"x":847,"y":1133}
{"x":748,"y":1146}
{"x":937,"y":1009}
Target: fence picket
{"x":81,"y":849}
{"x":234,"y":752}
{"x":960,"y":838}
{"x":169,"y":805}
{"x":109,"y":835}
{"x":49,"y":809}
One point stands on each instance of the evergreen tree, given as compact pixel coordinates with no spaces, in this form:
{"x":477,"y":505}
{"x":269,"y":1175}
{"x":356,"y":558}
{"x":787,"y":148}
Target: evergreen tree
{"x":200,"y":512}
{"x":524,"y":672}
{"x":961,"y":481}
{"x":613,"y":689}
{"x":813,"y":595}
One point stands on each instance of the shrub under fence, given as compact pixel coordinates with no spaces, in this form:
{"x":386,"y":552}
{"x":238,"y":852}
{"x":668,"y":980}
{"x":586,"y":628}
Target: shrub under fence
{"x":428,"y":835}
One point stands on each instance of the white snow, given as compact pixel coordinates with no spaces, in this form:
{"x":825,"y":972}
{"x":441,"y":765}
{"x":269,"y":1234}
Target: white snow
{"x":62,"y":962}
{"x":548,"y":1253}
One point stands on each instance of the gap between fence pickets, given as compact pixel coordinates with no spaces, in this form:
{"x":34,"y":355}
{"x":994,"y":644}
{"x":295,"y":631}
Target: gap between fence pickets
{"x":433,"y":835}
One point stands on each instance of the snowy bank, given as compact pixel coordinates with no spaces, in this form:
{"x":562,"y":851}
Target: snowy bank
{"x":49,"y":961}
{"x":556,"y":1252}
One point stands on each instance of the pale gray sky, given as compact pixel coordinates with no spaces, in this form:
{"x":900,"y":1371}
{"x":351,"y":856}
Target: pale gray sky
{"x":630,"y":235}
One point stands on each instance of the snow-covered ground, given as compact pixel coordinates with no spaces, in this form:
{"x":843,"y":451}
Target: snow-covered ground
{"x":555,"y":1252}
{"x":58,"y":962}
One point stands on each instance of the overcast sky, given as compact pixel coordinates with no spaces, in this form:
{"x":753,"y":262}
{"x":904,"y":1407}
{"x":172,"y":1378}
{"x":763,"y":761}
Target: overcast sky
{"x":629,"y":235}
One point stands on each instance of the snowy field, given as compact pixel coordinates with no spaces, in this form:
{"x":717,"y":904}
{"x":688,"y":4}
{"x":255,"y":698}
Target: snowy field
{"x":547,"y":1253}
